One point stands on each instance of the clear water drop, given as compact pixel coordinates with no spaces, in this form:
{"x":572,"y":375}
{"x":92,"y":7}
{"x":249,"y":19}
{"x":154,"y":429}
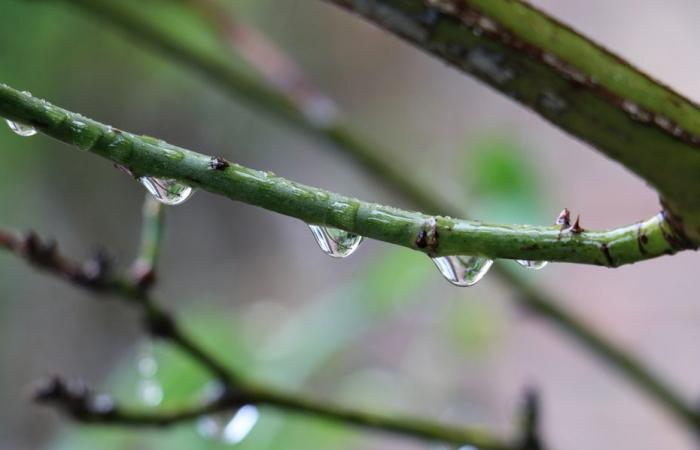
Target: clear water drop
{"x":21,"y":129}
{"x":227,"y":428}
{"x":150,"y":392}
{"x":334,"y":242}
{"x":463,"y":270}
{"x":532,"y":265}
{"x":148,"y":389}
{"x":167,"y":190}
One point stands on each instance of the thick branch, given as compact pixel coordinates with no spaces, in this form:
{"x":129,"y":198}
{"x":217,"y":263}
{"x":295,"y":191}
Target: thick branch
{"x":436,"y":236}
{"x":566,"y":78}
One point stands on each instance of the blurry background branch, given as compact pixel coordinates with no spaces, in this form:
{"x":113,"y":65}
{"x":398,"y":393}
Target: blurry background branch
{"x":82,"y":404}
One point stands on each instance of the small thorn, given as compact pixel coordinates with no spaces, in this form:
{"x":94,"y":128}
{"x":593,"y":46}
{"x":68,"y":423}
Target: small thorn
{"x":576,"y":227}
{"x":564,"y":219}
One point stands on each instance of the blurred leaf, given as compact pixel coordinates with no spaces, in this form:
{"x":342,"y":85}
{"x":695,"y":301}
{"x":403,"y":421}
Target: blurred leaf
{"x":502,"y":181}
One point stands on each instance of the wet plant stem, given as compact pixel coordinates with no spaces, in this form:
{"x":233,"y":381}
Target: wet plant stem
{"x":236,"y":83}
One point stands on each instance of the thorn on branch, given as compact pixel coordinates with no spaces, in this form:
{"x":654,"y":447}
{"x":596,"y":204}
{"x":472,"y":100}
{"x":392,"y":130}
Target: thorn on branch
{"x":564,"y":219}
{"x":142,"y":275}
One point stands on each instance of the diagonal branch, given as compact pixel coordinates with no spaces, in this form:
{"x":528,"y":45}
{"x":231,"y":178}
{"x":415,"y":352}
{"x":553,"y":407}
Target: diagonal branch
{"x":433,"y":235}
{"x":568,"y":80}
{"x":83,"y":405}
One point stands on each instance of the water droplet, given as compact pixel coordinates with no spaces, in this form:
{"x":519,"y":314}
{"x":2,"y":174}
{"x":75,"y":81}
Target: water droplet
{"x":21,"y":129}
{"x":334,"y":242}
{"x":226,"y":428}
{"x":532,"y":265}
{"x":150,"y":392}
{"x":167,"y":190}
{"x":148,"y":389}
{"x":463,"y":270}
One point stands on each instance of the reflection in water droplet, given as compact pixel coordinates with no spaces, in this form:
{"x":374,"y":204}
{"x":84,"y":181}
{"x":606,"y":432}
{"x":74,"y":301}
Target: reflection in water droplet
{"x":226,"y":428}
{"x":532,"y":265}
{"x":463,"y":270}
{"x":167,"y":190}
{"x":149,"y":390}
{"x":334,"y":242}
{"x":21,"y":129}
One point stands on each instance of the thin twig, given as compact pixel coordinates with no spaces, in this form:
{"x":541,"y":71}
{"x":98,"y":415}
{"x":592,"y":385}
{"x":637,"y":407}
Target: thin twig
{"x":82,"y":404}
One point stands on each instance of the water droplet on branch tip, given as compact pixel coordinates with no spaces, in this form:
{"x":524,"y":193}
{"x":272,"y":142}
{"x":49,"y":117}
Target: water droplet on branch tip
{"x":21,"y":129}
{"x":167,"y":190}
{"x":334,"y":242}
{"x":463,"y":270}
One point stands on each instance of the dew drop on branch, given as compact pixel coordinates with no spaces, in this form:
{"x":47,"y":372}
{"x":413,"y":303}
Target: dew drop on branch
{"x":334,"y":242}
{"x":229,"y":428}
{"x":532,"y":265}
{"x":21,"y":129}
{"x":167,"y":190}
{"x":149,"y":390}
{"x":463,"y":270}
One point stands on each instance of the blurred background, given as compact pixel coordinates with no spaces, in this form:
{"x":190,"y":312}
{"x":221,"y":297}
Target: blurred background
{"x":381,"y":330}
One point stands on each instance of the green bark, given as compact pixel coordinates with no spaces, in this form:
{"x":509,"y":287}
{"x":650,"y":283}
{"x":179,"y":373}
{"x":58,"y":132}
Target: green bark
{"x":568,"y":80}
{"x":434,"y":235}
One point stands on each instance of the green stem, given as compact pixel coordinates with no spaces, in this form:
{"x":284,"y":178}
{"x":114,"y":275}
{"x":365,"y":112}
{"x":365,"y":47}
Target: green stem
{"x":143,"y":269}
{"x":434,"y":235}
{"x":567,"y":79}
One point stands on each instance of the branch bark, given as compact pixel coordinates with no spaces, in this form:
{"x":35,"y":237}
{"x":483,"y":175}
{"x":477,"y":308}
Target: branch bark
{"x":568,"y":80}
{"x":433,"y":235}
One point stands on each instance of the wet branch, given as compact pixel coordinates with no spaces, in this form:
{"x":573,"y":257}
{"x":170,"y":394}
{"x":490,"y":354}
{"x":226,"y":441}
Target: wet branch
{"x":566,"y":78}
{"x":434,"y":235}
{"x":82,"y":404}
{"x":238,"y":84}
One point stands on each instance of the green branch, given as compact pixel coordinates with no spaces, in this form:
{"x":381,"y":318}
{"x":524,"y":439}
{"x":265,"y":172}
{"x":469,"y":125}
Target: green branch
{"x":234,"y":82}
{"x":568,"y":80}
{"x":434,"y":235}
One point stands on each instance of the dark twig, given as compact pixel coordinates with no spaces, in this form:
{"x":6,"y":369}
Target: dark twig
{"x":82,"y":404}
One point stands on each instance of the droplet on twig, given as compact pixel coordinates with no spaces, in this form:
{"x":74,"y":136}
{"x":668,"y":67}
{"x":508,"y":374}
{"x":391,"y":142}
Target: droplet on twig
{"x":334,"y":242}
{"x":463,"y":270}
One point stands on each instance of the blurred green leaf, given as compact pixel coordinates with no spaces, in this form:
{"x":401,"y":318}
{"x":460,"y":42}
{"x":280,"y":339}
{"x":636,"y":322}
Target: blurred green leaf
{"x":502,"y":181}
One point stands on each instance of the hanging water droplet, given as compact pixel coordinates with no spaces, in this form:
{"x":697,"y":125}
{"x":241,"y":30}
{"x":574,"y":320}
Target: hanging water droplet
{"x":148,"y":389}
{"x":334,"y":242}
{"x":226,"y":428}
{"x":463,"y":270}
{"x":532,"y":265}
{"x":21,"y":129}
{"x":167,"y":190}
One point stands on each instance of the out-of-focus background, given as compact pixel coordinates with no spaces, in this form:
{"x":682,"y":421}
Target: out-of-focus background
{"x":380,"y":330}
